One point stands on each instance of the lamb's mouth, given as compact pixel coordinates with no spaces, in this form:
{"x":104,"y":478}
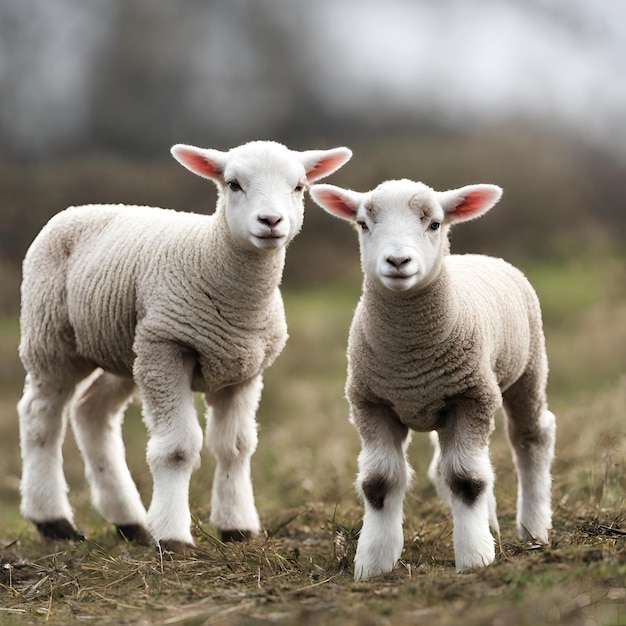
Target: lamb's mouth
{"x":399,"y":282}
{"x":271,"y":240}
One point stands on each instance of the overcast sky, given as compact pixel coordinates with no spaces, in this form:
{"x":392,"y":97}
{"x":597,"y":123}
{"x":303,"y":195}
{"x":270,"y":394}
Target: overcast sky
{"x":561,"y":63}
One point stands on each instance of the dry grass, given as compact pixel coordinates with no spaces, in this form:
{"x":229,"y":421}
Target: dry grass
{"x":302,"y":575}
{"x":300,"y":570}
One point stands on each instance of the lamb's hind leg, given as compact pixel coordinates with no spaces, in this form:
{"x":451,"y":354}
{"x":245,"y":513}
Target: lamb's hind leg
{"x":42,"y":430}
{"x":96,"y":415}
{"x":231,"y":434}
{"x":531,"y":429}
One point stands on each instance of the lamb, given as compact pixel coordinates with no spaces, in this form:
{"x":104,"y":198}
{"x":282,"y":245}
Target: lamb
{"x":438,"y":342}
{"x":123,"y":298}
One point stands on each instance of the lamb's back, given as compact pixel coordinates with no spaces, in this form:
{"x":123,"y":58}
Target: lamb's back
{"x":497,"y":297}
{"x":84,"y":276}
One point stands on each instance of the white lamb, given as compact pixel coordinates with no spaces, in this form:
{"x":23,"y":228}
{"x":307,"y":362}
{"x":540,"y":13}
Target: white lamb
{"x":124,"y":297}
{"x":437,"y":342}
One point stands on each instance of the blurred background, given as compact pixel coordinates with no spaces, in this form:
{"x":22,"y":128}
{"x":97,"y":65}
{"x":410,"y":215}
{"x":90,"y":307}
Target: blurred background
{"x":530,"y":95}
{"x":526,"y":94}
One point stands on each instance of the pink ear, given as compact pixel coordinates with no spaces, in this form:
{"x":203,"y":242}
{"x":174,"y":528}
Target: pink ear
{"x":321,"y":163}
{"x":205,"y":163}
{"x":336,"y":201}
{"x":469,"y":202}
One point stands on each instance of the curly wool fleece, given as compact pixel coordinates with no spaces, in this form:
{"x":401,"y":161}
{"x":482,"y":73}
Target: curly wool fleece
{"x":105,"y":281}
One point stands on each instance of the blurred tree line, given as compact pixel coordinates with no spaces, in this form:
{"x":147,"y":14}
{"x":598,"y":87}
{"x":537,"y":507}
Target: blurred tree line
{"x":559,"y":198}
{"x":95,"y":92}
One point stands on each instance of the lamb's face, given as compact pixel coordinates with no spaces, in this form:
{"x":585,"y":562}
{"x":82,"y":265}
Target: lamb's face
{"x":403,"y":226}
{"x":264,"y":192}
{"x":262,"y":185}
{"x":402,"y":235}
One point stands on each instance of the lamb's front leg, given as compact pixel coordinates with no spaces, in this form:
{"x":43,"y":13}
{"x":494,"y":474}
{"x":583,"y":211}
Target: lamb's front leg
{"x":443,"y":489}
{"x":382,"y":482}
{"x":163,"y":375}
{"x":231,"y":434}
{"x":466,"y":468}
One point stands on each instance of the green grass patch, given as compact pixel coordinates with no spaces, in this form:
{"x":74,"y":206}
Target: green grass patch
{"x":570,"y":288}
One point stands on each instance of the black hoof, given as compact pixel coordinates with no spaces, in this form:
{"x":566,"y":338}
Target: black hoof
{"x":227,"y":536}
{"x":59,"y":529}
{"x":176,"y":547}
{"x":136,"y":533}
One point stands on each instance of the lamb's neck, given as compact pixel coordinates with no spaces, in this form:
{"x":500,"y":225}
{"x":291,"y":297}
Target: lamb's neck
{"x":238,"y":274}
{"x":419,"y":318}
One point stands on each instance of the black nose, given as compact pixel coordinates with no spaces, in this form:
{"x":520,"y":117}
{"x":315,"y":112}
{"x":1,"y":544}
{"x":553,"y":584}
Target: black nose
{"x":398,"y":261}
{"x":270,"y":219}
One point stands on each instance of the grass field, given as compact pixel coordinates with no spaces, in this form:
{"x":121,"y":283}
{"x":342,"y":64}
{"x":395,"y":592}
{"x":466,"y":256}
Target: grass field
{"x":300,"y":571}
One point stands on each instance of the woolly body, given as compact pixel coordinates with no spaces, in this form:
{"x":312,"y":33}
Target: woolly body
{"x":396,"y":339}
{"x":86,"y":254}
{"x":437,"y":342}
{"x":115,"y":297}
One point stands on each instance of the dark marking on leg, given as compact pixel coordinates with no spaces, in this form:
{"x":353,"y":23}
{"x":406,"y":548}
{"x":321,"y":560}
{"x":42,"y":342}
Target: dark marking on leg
{"x":467,"y":488}
{"x":227,"y":536}
{"x":136,"y":533}
{"x":59,"y":529}
{"x":375,"y":489}
{"x":177,"y":457}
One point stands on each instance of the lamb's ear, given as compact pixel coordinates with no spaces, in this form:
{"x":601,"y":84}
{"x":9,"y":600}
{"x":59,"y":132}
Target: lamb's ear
{"x":469,"y":202}
{"x":340,"y":202}
{"x":321,"y":163}
{"x":201,"y":161}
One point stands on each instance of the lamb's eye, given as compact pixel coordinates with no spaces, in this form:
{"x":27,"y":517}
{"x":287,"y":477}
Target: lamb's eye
{"x":234,"y":185}
{"x":299,"y":188}
{"x":362,"y":225}
{"x":435,"y":226}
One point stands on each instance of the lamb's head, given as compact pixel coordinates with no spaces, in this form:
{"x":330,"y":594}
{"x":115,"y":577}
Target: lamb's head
{"x":261,"y":186}
{"x":403,"y":226}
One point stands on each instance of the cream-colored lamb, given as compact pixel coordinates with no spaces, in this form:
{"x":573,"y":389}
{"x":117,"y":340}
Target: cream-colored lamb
{"x":437,"y":343}
{"x":124,"y":297}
